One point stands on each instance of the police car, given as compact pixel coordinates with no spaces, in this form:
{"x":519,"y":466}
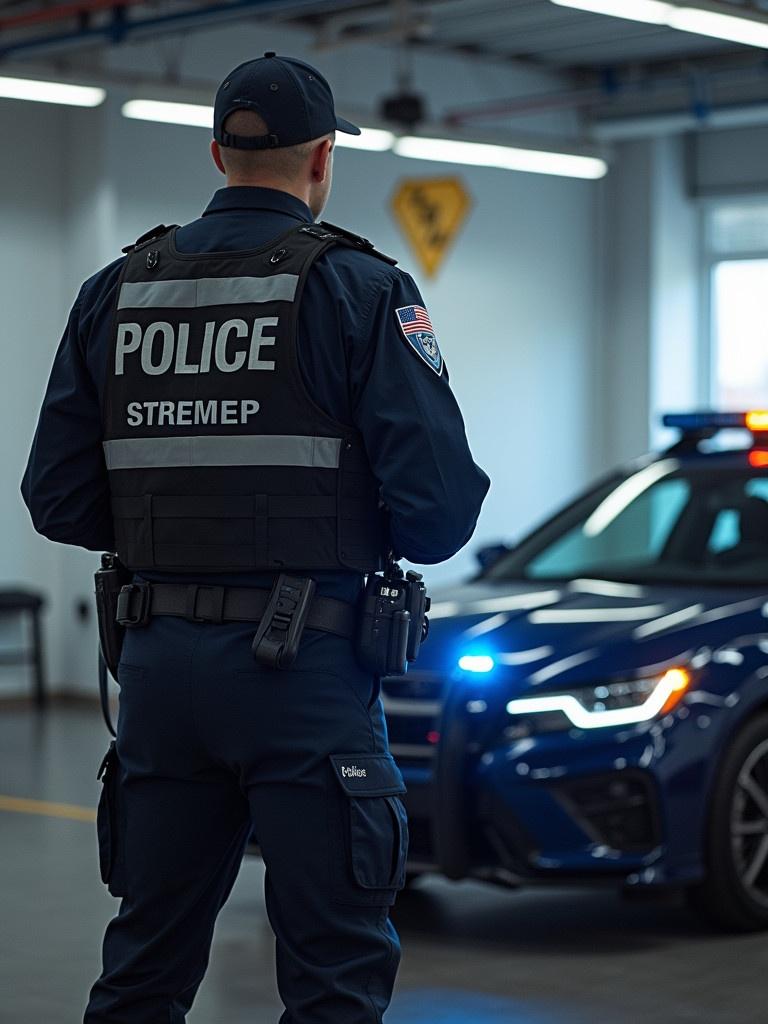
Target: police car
{"x":594,"y":704}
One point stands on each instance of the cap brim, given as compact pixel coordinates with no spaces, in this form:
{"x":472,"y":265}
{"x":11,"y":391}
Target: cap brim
{"x":347,"y":126}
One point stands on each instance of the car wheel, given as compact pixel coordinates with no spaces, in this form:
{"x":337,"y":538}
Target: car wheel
{"x":734,"y":895}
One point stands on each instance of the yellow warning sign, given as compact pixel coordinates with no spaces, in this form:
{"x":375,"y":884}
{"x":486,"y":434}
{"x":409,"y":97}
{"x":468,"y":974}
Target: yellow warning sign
{"x":430,"y":212}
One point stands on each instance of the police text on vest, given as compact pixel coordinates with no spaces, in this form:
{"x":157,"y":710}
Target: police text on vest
{"x":165,"y":347}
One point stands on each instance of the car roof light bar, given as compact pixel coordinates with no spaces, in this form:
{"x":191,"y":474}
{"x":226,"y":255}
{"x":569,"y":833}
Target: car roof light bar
{"x":688,"y":421}
{"x":700,"y":426}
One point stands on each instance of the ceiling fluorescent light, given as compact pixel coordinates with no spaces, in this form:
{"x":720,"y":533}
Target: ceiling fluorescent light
{"x":722,"y":26}
{"x":374,"y":139}
{"x":194,"y":114}
{"x":702,"y":20}
{"x":480,"y":154}
{"x":653,"y":11}
{"x":201,"y":116}
{"x":51,"y":92}
{"x":477,"y":154}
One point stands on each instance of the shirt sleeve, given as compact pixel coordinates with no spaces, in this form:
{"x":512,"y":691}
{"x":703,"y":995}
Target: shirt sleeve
{"x":413,"y":431}
{"x":65,"y":484}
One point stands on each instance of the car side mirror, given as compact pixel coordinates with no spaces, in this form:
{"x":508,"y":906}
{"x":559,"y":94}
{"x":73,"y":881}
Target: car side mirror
{"x":491,"y":553}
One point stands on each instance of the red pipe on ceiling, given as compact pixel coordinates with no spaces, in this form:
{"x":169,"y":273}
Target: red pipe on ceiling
{"x":71,"y":10}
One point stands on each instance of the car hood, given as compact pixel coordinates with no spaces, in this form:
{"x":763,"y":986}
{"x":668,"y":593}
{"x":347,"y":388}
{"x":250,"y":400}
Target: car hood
{"x":550,"y":634}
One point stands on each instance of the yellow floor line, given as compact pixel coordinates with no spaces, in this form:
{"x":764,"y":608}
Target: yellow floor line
{"x":46,"y":809}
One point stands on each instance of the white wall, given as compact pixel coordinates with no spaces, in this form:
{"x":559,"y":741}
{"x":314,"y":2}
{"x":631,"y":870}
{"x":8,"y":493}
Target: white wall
{"x":31,"y":199}
{"x":675,"y":370}
{"x":514,"y":305}
{"x":649,"y":335}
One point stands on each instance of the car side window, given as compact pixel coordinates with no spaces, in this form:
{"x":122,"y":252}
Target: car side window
{"x":742,"y":522}
{"x":758,"y":487}
{"x":725,"y":531}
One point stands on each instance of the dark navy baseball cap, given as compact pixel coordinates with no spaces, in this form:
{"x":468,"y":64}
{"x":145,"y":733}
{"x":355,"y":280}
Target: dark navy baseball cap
{"x":292,"y":97}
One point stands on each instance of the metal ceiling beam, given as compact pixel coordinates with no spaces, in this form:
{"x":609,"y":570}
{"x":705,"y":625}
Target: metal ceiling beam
{"x":121,"y":27}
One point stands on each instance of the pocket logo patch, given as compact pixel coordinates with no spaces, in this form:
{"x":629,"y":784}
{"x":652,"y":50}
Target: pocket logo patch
{"x":353,"y":772}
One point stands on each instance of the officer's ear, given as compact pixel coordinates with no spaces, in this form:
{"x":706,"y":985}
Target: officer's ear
{"x":321,"y":161}
{"x":216,"y":154}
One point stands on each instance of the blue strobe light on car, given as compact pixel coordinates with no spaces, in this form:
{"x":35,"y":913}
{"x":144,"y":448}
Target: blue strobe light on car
{"x":476,"y":663}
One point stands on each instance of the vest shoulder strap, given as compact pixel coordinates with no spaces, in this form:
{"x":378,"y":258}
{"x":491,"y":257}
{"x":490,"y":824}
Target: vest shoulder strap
{"x":149,"y":236}
{"x":333,"y":233}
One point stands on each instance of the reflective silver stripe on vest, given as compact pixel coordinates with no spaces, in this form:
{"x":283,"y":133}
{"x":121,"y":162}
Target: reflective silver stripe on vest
{"x":223,"y":450}
{"x":208,"y":291}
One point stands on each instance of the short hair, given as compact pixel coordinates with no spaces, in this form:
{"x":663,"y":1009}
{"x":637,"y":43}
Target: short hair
{"x":282,"y":162}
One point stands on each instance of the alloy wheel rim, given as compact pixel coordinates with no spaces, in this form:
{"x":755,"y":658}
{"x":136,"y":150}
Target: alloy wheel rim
{"x":749,"y":824}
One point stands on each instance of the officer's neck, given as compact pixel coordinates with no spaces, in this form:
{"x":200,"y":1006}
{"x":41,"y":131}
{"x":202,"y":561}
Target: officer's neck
{"x":292,"y":188}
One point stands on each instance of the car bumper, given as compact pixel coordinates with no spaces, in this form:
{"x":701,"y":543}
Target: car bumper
{"x":607,"y":804}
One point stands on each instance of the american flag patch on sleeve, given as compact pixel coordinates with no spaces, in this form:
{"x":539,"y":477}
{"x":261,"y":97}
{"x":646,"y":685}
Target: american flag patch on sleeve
{"x":420,"y":334}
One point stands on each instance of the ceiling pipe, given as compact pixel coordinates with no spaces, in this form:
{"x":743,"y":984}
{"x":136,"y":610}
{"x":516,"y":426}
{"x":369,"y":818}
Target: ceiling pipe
{"x":62,"y":12}
{"x":121,"y":27}
{"x":678,"y":122}
{"x":614,"y":89}
{"x":522,"y":105}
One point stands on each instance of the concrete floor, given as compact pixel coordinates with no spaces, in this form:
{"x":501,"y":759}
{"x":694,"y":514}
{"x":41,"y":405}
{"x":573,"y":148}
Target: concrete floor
{"x":472,"y":954}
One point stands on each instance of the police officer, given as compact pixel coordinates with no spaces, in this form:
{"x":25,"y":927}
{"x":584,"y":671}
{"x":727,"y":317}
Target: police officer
{"x":249,"y":395}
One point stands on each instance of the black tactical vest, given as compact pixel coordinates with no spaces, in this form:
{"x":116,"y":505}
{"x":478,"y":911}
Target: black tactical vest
{"x":218,"y":458}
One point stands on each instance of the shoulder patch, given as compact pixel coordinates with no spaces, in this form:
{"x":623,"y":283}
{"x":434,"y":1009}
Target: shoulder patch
{"x":420,"y":334}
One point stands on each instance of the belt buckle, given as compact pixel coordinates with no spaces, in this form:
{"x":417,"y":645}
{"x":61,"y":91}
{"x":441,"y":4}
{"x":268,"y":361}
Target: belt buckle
{"x":125,"y":615}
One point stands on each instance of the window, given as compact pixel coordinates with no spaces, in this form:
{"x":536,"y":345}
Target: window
{"x":740,"y":322}
{"x":737,"y":243}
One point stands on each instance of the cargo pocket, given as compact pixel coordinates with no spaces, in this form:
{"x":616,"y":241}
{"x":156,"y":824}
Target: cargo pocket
{"x":372,"y":830}
{"x":109,"y":825}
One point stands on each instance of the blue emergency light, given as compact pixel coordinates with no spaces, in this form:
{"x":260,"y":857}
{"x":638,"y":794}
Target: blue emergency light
{"x":476,"y":663}
{"x":755,"y":420}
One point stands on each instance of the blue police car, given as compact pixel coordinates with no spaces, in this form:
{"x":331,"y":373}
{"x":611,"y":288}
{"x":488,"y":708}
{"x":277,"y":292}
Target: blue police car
{"x":594,"y":704}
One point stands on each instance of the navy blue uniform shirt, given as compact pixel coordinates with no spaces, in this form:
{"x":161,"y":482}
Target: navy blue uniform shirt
{"x":353,"y":357}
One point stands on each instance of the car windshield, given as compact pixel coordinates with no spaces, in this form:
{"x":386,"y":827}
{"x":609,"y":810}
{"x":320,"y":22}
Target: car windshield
{"x":667,"y":522}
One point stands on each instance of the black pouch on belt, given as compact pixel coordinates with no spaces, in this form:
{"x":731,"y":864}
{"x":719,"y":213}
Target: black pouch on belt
{"x":109,"y":580}
{"x":277,"y":639}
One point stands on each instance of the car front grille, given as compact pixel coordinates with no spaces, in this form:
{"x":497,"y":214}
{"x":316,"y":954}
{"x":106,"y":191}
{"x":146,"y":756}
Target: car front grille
{"x":616,"y":810}
{"x":412,"y":704}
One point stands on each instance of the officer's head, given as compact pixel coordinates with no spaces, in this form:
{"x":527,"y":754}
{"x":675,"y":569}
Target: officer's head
{"x":274,"y":125}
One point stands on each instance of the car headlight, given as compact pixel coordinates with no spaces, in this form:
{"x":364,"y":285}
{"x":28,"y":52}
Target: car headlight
{"x":595,"y":707}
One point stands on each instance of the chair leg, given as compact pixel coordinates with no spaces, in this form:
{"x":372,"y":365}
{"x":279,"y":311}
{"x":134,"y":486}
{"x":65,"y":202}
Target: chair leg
{"x":40,"y":694}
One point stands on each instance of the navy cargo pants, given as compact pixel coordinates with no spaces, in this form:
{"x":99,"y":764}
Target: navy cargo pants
{"x":210,"y":747}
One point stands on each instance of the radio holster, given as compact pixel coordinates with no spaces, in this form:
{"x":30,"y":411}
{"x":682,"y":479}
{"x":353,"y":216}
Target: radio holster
{"x":393,"y":622}
{"x":109,"y":581}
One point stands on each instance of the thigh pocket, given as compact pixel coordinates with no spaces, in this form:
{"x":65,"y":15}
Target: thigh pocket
{"x":110,"y":826}
{"x":371,"y":830}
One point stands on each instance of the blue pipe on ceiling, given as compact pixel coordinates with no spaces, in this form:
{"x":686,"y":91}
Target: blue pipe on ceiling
{"x":121,"y":27}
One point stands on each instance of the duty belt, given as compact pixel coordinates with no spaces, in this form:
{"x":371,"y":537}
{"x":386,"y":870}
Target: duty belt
{"x":201,"y":602}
